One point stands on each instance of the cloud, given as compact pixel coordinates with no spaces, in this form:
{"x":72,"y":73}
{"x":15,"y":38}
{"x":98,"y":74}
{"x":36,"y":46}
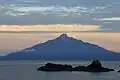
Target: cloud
{"x":21,"y":10}
{"x":109,"y":19}
{"x":56,"y":28}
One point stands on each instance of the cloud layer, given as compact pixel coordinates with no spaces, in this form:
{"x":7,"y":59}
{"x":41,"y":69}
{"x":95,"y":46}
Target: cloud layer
{"x":18,"y":10}
{"x":57,"y":28}
{"x":109,"y":19}
{"x":104,"y":13}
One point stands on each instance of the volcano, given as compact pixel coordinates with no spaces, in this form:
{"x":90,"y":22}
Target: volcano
{"x":64,"y":48}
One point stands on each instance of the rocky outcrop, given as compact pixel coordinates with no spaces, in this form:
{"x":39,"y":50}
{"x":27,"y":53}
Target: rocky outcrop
{"x":55,"y":67}
{"x":95,"y":66}
{"x":119,"y":71}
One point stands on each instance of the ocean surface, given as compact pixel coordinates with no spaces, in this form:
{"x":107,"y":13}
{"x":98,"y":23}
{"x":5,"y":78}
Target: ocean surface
{"x":26,"y":70}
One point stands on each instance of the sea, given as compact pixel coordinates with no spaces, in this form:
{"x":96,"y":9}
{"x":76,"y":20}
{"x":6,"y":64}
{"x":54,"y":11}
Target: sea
{"x":27,"y":70}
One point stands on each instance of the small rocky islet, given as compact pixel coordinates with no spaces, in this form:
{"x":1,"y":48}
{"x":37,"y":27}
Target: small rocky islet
{"x":119,"y":71}
{"x":95,"y":66}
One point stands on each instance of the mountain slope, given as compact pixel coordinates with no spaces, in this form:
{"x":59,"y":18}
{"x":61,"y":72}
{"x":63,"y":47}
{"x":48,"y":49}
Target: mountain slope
{"x":64,"y":48}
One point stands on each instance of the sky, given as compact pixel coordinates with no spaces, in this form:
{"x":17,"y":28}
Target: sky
{"x":24,"y":23}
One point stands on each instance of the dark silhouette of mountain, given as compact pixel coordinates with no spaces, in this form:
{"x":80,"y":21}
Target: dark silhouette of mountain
{"x":64,"y":48}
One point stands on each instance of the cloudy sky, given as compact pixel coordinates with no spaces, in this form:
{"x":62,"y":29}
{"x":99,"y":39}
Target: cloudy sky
{"x":27,"y":22}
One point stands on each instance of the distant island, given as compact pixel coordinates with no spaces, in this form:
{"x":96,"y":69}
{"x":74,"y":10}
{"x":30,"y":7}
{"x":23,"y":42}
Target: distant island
{"x":63,"y":48}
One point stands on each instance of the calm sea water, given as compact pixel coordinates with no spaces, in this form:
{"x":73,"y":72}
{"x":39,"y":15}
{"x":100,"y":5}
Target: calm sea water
{"x":26,"y":70}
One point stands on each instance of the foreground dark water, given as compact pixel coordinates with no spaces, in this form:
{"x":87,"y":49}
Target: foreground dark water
{"x":26,"y":70}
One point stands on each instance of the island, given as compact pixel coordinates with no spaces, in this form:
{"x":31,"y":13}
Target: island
{"x":95,"y":66}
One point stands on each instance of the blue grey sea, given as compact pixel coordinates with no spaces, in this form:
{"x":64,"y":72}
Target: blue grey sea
{"x":26,"y":70}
